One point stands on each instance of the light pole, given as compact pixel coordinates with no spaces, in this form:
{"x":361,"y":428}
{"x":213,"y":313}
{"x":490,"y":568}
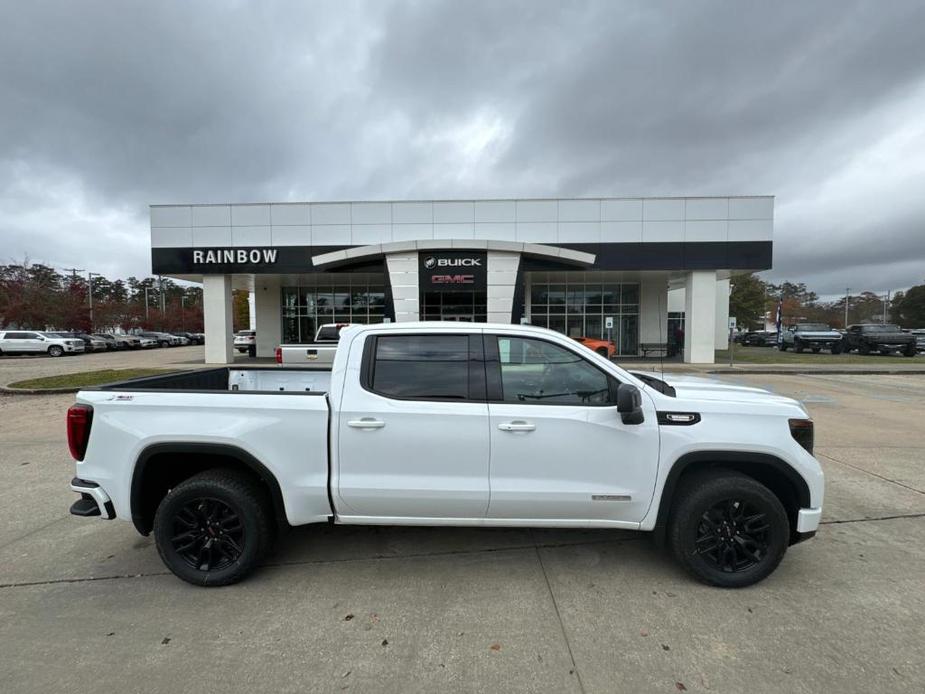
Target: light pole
{"x":146,"y":303}
{"x":847,"y":289}
{"x":182,"y":311}
{"x":90,"y":294}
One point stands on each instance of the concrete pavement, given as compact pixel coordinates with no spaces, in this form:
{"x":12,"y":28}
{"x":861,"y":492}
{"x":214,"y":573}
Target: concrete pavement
{"x":87,"y":604}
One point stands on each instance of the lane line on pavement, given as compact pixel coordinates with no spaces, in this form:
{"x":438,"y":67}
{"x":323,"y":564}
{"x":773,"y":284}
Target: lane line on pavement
{"x":874,"y":474}
{"x":555,"y":605}
{"x":874,"y":520}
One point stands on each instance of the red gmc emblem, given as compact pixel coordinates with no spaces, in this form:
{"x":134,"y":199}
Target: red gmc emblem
{"x":452,"y":279}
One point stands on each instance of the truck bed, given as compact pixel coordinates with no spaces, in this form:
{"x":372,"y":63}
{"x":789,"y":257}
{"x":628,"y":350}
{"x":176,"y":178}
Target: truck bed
{"x":230,"y":379}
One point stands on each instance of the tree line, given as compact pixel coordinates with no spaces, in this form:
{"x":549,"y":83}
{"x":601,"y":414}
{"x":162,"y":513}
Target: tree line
{"x":752,"y":299}
{"x":39,"y":297}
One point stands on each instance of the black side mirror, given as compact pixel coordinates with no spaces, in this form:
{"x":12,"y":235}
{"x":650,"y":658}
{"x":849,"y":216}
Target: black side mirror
{"x":629,"y":404}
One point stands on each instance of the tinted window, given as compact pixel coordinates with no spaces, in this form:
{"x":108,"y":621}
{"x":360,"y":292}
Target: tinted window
{"x":534,"y":371}
{"x":17,"y":336}
{"x":425,"y":367}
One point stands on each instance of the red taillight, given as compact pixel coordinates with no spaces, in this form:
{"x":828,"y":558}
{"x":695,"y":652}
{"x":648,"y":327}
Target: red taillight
{"x":279,"y":355}
{"x":79,"y":419}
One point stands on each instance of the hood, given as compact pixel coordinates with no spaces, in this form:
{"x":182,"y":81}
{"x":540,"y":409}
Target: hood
{"x":818,"y":334}
{"x":701,"y":388}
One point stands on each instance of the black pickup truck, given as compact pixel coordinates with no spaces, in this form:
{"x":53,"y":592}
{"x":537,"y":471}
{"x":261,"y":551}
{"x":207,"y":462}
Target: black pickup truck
{"x":884,"y":338}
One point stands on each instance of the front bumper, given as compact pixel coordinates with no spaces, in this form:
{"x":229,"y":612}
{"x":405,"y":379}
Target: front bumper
{"x":93,"y":501}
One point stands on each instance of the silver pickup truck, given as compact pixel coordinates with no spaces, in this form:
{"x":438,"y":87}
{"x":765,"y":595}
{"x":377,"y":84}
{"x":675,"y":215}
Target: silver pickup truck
{"x":318,"y":353}
{"x":814,"y":336}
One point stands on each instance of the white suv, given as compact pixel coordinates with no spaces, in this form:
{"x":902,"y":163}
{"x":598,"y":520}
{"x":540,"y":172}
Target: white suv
{"x":30,"y":342}
{"x":245,"y":340}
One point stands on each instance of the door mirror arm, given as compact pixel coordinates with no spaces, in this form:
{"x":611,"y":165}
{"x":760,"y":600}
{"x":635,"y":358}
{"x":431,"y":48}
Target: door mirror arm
{"x":629,"y":404}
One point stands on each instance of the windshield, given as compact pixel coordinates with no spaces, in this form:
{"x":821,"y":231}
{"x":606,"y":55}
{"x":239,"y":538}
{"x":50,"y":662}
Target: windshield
{"x":812,"y":326}
{"x":880,"y":328}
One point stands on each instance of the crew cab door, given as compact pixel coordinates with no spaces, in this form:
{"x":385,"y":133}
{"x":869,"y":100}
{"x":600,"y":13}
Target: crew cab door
{"x":412,"y":428}
{"x":559,"y":448}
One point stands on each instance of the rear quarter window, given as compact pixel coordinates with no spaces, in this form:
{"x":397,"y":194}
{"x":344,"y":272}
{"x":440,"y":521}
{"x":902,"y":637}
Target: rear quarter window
{"x":421,"y":367}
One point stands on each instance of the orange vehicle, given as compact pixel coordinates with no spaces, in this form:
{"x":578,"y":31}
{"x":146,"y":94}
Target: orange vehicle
{"x":603,"y":347}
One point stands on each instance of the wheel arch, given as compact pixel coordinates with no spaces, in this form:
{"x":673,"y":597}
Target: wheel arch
{"x":773,"y":472}
{"x":161,"y":466}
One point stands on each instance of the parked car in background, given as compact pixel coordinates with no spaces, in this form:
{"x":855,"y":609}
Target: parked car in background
{"x":113,"y":342}
{"x":606,"y":348}
{"x":184,"y":340}
{"x":147,"y":342}
{"x":131,"y":341}
{"x":814,"y":336}
{"x":193,"y":338}
{"x":759,"y":338}
{"x":34,"y":342}
{"x":162,"y":339}
{"x":919,"y":339}
{"x":245,"y":341}
{"x":319,"y":352}
{"x":883,"y":338}
{"x":91,"y":343}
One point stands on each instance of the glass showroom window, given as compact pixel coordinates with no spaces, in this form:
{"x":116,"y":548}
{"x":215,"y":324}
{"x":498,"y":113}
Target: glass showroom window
{"x":578,"y":307}
{"x":345,"y":298}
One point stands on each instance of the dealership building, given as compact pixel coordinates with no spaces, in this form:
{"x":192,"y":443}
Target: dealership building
{"x":643,"y":271}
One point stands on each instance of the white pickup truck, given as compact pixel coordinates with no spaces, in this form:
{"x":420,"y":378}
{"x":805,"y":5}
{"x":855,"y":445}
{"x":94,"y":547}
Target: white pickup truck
{"x":319,"y":353}
{"x":448,"y":424}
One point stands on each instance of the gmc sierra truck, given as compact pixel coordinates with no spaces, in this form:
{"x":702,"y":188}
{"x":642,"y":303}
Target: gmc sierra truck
{"x":318,"y":353}
{"x":879,"y":338}
{"x":448,"y":424}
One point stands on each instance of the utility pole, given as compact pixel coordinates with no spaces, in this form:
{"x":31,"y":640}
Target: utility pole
{"x":146,"y":304}
{"x":182,"y":311}
{"x":90,"y":294}
{"x":73,"y":271}
{"x":885,"y":304}
{"x":847,"y":289}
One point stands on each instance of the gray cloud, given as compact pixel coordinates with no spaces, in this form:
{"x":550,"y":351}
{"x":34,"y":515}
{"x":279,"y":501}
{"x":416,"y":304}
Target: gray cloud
{"x":109,"y":107}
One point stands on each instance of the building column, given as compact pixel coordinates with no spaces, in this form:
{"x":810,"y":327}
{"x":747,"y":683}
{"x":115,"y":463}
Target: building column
{"x":653,"y":308}
{"x":267,"y":314}
{"x":722,"y":314}
{"x":216,"y":310}
{"x":403,"y":275}
{"x":699,"y":316}
{"x":500,"y":283}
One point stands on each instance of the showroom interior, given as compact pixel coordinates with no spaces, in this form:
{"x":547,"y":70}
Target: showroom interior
{"x":640,"y":271}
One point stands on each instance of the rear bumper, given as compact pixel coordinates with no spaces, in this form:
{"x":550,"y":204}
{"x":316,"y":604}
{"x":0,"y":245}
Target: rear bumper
{"x":94,"y":501}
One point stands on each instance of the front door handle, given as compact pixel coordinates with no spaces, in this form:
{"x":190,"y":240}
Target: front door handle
{"x":366,"y":423}
{"x":517,"y":425}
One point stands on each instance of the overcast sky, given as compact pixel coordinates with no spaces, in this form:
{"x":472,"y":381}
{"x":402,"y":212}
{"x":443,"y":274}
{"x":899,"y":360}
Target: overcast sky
{"x":107,"y":107}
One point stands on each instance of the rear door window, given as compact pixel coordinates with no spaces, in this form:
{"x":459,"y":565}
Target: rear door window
{"x":421,"y":367}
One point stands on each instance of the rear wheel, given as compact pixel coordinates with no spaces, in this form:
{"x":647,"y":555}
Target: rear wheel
{"x":816,"y":350}
{"x":910,"y":350}
{"x":213,"y":529}
{"x":864,"y":348}
{"x":602,"y":351}
{"x":783,"y":347}
{"x":836,"y":348}
{"x":727,"y":529}
{"x":55,"y":351}
{"x":797,"y":346}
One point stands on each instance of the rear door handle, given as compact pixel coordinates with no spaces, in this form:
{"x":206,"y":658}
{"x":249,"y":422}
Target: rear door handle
{"x":366,"y":423}
{"x":517,"y":425}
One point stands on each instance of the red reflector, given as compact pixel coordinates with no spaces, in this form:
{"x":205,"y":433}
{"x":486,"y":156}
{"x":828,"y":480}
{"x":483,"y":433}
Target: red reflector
{"x":79,"y":419}
{"x":279,"y":355}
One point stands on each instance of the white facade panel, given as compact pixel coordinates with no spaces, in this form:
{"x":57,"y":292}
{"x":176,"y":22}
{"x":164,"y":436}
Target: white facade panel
{"x":211,"y":236}
{"x":368,"y":234}
{"x":250,"y":215}
{"x":537,"y":211}
{"x":621,"y":232}
{"x":750,"y":229}
{"x":706,"y":230}
{"x":250,"y":236}
{"x":331,"y":234}
{"x":454,"y":212}
{"x":290,"y":214}
{"x":751,"y":208}
{"x":412,"y":232}
{"x":499,"y":231}
{"x":370,"y":213}
{"x":537,"y":232}
{"x":660,"y":232}
{"x":706,"y":208}
{"x":495,"y":211}
{"x":454,"y":231}
{"x":662,"y":209}
{"x":291,"y":235}
{"x":172,"y":216}
{"x":579,"y":210}
{"x":211,"y":215}
{"x":330,"y":213}
{"x":579,"y":232}
{"x":621,"y":210}
{"x":171,"y":237}
{"x":412,"y":213}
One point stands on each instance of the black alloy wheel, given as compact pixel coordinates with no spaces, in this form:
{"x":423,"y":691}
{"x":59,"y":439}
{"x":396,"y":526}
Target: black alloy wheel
{"x":209,"y":534}
{"x":733,"y":535}
{"x":864,"y":348}
{"x":727,"y":529}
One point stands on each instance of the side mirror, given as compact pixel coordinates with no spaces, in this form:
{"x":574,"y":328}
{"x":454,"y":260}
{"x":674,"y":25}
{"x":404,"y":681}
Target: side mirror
{"x":629,"y":404}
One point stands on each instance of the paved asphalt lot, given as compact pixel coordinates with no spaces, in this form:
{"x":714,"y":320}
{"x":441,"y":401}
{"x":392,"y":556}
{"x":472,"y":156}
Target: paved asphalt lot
{"x":87,"y":604}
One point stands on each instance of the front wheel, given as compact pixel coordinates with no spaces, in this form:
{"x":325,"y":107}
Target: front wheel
{"x":816,"y":350}
{"x":213,"y":529}
{"x":783,"y":347}
{"x":798,"y":347}
{"x":910,"y":350}
{"x":55,"y":351}
{"x":727,"y":529}
{"x":602,"y":351}
{"x":864,"y":348}
{"x":836,"y":348}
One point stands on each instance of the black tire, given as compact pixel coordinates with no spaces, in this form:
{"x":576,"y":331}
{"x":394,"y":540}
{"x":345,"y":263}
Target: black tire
{"x":836,"y":348}
{"x":56,"y":351}
{"x":816,"y":350}
{"x":783,"y":347}
{"x":602,"y":351}
{"x":798,"y":347}
{"x":885,"y":352}
{"x":744,"y":513}
{"x":864,"y":348}
{"x":236,"y":522}
{"x":910,"y":350}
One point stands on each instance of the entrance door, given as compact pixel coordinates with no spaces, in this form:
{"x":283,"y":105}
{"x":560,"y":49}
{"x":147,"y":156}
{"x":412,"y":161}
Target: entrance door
{"x":412,"y":429}
{"x":559,"y":449}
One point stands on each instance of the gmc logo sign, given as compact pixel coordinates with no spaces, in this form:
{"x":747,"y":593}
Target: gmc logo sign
{"x":452,"y":279}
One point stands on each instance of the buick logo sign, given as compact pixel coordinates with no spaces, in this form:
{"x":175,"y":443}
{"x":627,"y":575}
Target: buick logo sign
{"x":430,"y":263}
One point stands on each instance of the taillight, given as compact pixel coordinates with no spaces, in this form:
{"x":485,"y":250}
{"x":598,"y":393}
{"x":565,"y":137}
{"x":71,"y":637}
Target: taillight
{"x":79,"y":419}
{"x":802,"y":432}
{"x":279,"y":355}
